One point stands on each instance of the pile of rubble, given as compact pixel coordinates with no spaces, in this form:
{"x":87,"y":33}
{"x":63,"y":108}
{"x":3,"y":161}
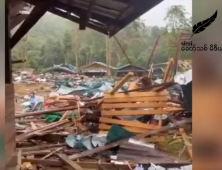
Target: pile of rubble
{"x":108,"y":127}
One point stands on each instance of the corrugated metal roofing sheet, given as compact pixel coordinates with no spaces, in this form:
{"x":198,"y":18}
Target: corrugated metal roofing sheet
{"x":105,"y":16}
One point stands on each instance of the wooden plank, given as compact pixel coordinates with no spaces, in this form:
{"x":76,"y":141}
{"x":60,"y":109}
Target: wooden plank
{"x":130,"y":129}
{"x":127,"y":123}
{"x":33,"y":125}
{"x":19,"y":160}
{"x":42,"y":112}
{"x":173,"y":109}
{"x":17,"y":20}
{"x":41,"y":147}
{"x":76,"y":20}
{"x":51,"y":153}
{"x":83,"y":128}
{"x":168,"y":70}
{"x":37,"y":153}
{"x":9,"y":123}
{"x":153,"y":139}
{"x":82,"y":25}
{"x":134,"y":112}
{"x":136,"y":99}
{"x":69,"y":162}
{"x":102,"y":132}
{"x":40,"y":130}
{"x":137,"y":94}
{"x":133,"y":85}
{"x":122,"y":82}
{"x":187,"y":142}
{"x":133,"y":105}
{"x":160,"y":121}
{"x":103,"y":164}
{"x":33,"y":165}
{"x":65,"y":115}
{"x":114,"y":144}
{"x":150,"y":60}
{"x":85,"y":165}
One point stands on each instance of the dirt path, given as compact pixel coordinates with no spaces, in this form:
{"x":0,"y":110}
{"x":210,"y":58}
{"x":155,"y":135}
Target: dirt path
{"x":42,"y":89}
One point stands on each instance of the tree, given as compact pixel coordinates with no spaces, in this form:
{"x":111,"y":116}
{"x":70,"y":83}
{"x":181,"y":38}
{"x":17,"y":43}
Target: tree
{"x":53,"y":41}
{"x":176,"y":18}
{"x":67,"y":42}
{"x":155,"y":31}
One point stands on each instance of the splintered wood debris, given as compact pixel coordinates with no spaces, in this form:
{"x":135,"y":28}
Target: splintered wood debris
{"x":73,"y":139}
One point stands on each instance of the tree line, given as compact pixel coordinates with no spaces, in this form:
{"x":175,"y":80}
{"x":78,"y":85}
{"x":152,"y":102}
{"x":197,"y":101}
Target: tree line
{"x":54,"y":40}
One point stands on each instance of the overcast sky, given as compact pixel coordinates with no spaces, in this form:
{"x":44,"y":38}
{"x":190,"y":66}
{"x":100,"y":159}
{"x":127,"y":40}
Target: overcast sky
{"x":156,"y":15}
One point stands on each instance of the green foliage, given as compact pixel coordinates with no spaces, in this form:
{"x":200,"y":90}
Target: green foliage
{"x":176,"y":18}
{"x":53,"y":41}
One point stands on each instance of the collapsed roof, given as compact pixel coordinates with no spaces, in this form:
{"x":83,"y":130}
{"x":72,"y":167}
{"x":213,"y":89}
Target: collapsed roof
{"x":96,"y":63}
{"x":62,"y":68}
{"x":130,"y":67}
{"x":105,"y":16}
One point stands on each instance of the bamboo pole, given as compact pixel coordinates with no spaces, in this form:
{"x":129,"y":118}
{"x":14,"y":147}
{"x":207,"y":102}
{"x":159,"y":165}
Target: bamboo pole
{"x":152,"y":53}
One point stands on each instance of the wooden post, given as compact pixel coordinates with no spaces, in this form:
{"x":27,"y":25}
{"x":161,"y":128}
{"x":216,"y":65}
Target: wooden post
{"x":187,"y":142}
{"x":10,"y":158}
{"x":168,"y":70}
{"x":8,"y":70}
{"x":152,"y":53}
{"x":122,"y":82}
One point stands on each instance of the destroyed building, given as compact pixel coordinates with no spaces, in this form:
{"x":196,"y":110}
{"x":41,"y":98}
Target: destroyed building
{"x":97,"y":69}
{"x":78,"y":132}
{"x":157,"y":73}
{"x":123,"y":70}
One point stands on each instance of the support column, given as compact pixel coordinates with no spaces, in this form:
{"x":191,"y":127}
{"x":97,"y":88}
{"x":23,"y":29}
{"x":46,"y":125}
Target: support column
{"x":10,"y":145}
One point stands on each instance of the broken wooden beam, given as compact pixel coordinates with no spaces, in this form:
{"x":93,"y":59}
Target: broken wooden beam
{"x":39,"y":130}
{"x":127,"y":123}
{"x":112,"y":145}
{"x":152,"y":53}
{"x":36,"y":148}
{"x":122,"y":82}
{"x":168,"y":70}
{"x":29,"y":120}
{"x":38,"y":152}
{"x":30,"y":21}
{"x":77,"y":20}
{"x":86,"y":18}
{"x":187,"y":142}
{"x":42,"y":112}
{"x":51,"y":153}
{"x":69,"y":162}
{"x":85,"y":164}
